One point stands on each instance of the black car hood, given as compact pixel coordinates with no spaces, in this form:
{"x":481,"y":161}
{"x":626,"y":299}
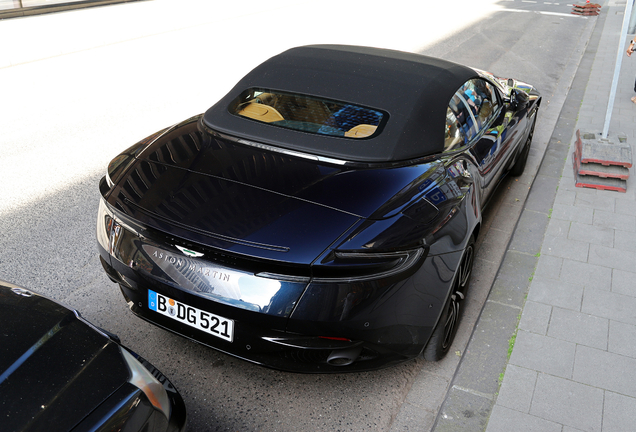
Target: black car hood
{"x":51,"y":364}
{"x":252,"y":197}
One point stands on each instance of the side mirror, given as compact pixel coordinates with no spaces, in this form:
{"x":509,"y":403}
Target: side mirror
{"x":519,"y":99}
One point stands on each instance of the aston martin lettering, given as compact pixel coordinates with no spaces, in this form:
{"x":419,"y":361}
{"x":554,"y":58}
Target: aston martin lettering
{"x":205,"y":321}
{"x":181,"y":264}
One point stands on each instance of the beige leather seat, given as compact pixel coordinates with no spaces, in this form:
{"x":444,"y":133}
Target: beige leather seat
{"x":361,"y":131}
{"x":261,"y":112}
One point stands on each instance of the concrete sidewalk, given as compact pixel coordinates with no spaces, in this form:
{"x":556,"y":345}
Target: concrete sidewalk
{"x":573,"y":365}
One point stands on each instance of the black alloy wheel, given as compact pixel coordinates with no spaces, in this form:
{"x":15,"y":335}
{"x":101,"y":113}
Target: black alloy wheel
{"x":444,"y":333}
{"x":520,"y":165}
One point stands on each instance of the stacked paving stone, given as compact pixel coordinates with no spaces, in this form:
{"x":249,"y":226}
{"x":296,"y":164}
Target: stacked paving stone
{"x":601,"y":164}
{"x":588,"y":9}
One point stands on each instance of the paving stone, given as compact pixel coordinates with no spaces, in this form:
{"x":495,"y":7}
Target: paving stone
{"x":565,"y":197}
{"x":548,"y":267}
{"x":572,"y":213}
{"x":567,"y":402}
{"x":601,"y":202}
{"x":543,"y":354}
{"x":556,"y":293}
{"x":558,"y":228}
{"x":612,"y":257}
{"x":586,"y":275}
{"x":605,"y":370}
{"x":593,"y":234}
{"x":625,"y":240}
{"x":579,"y":328}
{"x":609,"y":305}
{"x":622,"y":338}
{"x":517,"y":388}
{"x":505,"y":419}
{"x":625,"y":206}
{"x":565,"y":248}
{"x":613,"y":220}
{"x":624,"y":282}
{"x":619,"y":413}
{"x":535,"y":317}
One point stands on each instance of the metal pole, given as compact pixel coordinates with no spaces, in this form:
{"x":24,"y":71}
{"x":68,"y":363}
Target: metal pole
{"x":617,"y":68}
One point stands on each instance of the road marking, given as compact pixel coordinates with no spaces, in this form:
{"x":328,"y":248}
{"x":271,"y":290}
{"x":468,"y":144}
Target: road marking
{"x":544,"y":13}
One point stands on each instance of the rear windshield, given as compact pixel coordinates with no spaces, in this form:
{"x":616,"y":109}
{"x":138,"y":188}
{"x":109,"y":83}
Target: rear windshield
{"x":309,"y":114}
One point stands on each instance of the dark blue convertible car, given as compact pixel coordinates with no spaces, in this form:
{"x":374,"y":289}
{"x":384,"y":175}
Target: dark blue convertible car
{"x":322,"y":216}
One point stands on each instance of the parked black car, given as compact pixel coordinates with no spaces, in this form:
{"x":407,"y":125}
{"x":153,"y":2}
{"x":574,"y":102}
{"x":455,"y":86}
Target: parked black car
{"x":58,"y":372}
{"x":321,"y":217}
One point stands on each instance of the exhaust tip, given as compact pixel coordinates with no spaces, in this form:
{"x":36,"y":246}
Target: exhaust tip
{"x":344,"y":357}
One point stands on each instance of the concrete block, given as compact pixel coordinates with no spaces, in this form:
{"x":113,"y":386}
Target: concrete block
{"x":612,"y":151}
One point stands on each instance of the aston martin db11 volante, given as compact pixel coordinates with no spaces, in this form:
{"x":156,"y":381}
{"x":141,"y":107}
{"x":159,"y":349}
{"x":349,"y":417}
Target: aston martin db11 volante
{"x":322,"y":216}
{"x":58,"y":372}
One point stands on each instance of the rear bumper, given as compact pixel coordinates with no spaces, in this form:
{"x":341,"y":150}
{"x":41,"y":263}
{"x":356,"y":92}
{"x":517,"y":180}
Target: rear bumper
{"x":259,"y":338}
{"x":306,"y":326}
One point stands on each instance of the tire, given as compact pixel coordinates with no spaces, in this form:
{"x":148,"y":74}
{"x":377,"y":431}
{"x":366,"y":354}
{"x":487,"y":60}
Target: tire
{"x":520,"y":165}
{"x":442,"y":338}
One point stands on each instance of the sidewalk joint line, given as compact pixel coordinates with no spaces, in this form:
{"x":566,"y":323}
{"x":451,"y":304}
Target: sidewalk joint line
{"x":475,"y":393}
{"x":504,"y":304}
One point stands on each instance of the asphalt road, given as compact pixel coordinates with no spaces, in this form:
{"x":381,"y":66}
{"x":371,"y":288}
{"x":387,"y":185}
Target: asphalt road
{"x":79,"y":87}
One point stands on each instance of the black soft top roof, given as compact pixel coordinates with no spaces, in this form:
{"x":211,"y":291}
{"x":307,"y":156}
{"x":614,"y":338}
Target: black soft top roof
{"x":414,"y":90}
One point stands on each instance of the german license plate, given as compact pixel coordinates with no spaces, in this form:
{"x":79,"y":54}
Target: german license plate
{"x":205,"y":321}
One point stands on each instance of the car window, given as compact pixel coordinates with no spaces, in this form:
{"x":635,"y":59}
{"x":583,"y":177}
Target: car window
{"x":469,"y":111}
{"x":309,"y":114}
